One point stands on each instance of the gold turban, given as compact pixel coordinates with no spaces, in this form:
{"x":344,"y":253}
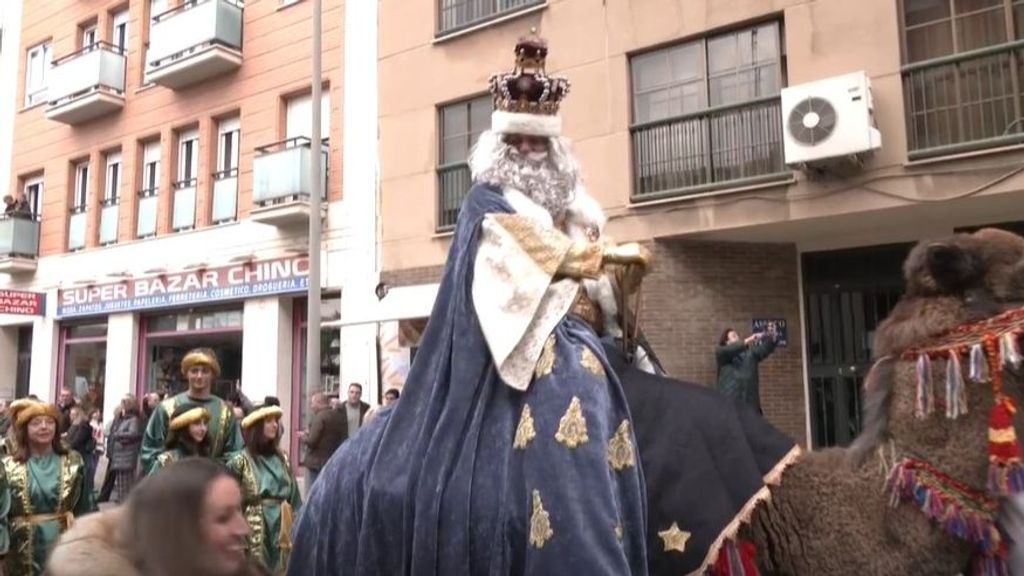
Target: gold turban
{"x":27,"y":413}
{"x":261,"y":414}
{"x":186,"y":418}
{"x":200,"y":357}
{"x":17,"y":406}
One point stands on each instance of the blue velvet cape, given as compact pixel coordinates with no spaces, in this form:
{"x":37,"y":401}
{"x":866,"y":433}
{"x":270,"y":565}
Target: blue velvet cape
{"x":434,"y":486}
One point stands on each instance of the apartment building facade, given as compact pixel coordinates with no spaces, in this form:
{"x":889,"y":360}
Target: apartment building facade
{"x":162,"y":152}
{"x":676,"y":115}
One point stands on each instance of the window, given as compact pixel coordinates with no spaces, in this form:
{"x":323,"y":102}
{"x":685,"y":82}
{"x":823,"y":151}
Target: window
{"x":80,"y":200}
{"x":188,"y":159}
{"x":89,"y":36}
{"x":112,"y":182}
{"x":156,"y":7}
{"x":119,"y":35}
{"x":461,"y":124}
{"x":956,"y":98}
{"x":37,"y":69}
{"x":706,"y":113}
{"x":299,"y":116}
{"x":454,"y":15}
{"x":33,"y":192}
{"x":147,"y":202}
{"x":225,"y":179}
{"x":83,"y":363}
{"x":151,"y":167}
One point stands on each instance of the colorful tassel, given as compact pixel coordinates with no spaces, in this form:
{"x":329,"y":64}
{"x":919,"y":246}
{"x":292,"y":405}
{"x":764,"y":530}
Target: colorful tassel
{"x":736,"y":559}
{"x":925,"y":390}
{"x":1006,"y":472}
{"x":956,"y":389}
{"x":979,"y":365}
{"x":1010,"y":350}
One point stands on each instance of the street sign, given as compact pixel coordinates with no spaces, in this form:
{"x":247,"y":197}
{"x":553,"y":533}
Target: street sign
{"x":22,"y":303}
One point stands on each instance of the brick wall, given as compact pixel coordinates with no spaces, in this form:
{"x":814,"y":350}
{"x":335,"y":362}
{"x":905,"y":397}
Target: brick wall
{"x":698,"y":289}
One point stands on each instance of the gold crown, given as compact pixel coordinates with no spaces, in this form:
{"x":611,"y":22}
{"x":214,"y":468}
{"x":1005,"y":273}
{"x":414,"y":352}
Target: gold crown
{"x":528,"y":89}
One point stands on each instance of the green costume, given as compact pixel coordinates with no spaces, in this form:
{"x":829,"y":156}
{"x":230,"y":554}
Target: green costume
{"x":225,"y":435}
{"x":45,"y":494}
{"x":270,"y":496}
{"x":165,"y":459}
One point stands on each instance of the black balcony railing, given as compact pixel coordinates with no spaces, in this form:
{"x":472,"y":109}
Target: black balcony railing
{"x":721,"y":147}
{"x":455,"y":15}
{"x":453,"y":182}
{"x":965,"y":101}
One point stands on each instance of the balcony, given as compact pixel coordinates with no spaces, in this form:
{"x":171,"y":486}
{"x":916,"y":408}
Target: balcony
{"x":198,"y":40}
{"x":109,"y":214}
{"x":145,"y":225}
{"x":19,"y":244}
{"x":86,"y":84}
{"x":281,"y":182}
{"x":722,"y":147}
{"x":457,"y":15}
{"x":965,"y":102}
{"x":76,"y":229}
{"x":225,"y":196}
{"x":184,"y":215}
{"x":453,"y":183}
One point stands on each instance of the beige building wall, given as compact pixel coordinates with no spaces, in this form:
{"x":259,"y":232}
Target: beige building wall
{"x":591,"y":43}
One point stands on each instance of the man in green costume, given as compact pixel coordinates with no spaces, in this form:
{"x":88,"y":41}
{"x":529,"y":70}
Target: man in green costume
{"x":200,"y":366}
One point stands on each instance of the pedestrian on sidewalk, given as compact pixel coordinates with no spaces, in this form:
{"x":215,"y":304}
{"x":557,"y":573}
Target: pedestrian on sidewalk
{"x":126,"y":442}
{"x":327,"y":431}
{"x":738,"y":362}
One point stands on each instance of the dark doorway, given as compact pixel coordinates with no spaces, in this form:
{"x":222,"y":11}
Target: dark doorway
{"x":24,"y":370}
{"x":847,"y":293}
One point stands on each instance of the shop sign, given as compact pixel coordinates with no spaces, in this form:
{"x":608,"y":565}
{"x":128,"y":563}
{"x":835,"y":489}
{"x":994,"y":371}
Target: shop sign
{"x":239,"y":281}
{"x":775,"y":325}
{"x":22,"y":303}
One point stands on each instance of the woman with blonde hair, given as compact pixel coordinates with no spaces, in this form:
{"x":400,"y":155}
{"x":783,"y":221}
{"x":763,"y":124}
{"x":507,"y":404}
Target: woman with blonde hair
{"x":188,"y":435}
{"x":270,"y":492}
{"x":47,"y":488}
{"x":195,"y":501}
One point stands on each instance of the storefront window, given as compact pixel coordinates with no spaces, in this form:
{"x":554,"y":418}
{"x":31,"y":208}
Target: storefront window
{"x":168,"y":336}
{"x":24,"y":370}
{"x":84,"y":363}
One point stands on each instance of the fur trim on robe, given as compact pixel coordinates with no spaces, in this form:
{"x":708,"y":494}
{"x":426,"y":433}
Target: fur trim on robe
{"x":95,"y":546}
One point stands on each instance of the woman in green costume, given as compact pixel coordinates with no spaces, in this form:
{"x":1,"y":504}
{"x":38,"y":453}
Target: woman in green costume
{"x":188,"y":435}
{"x":46,"y":486}
{"x":269,"y":491}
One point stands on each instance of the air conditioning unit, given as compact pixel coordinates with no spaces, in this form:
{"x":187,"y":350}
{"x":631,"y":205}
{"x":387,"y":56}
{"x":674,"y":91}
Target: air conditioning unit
{"x":829,"y":120}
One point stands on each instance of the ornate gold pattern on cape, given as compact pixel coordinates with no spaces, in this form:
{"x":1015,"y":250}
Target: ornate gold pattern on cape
{"x":674,"y":538}
{"x":225,"y":413}
{"x":168,"y":406}
{"x":245,"y":470}
{"x":546,"y":362}
{"x":165,"y":459}
{"x":572,"y":428}
{"x":582,"y":261}
{"x":546,"y":246}
{"x":589,"y":361}
{"x":621,"y":454}
{"x":525,"y":432}
{"x":19,"y":556}
{"x":540,"y":523}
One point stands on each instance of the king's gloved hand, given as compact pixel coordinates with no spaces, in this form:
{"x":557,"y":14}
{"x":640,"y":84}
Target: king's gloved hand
{"x":630,"y":253}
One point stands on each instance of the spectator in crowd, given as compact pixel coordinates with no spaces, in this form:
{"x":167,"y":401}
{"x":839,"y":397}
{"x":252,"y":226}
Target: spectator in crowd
{"x":355,"y":409}
{"x":196,"y":502}
{"x":390,"y":397}
{"x":16,"y":207}
{"x":108,"y":479}
{"x":201,"y":368}
{"x":5,"y":418}
{"x":738,"y":364}
{"x":234,"y":400}
{"x":80,"y":440}
{"x":10,"y":439}
{"x":65,"y":402}
{"x":149,"y":403}
{"x":52,"y":492}
{"x":126,"y":442}
{"x":188,"y":435}
{"x":327,"y":431}
{"x":270,"y":494}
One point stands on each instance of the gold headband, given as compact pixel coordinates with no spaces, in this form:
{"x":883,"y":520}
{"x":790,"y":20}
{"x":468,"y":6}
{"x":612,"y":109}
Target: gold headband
{"x":200,"y":358}
{"x":33,"y":409}
{"x":260,"y":414}
{"x":185,"y":419}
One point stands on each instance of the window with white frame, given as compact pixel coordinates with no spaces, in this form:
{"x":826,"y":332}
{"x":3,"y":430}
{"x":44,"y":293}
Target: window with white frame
{"x":151,"y":167}
{"x":37,"y":70}
{"x":33,"y":194}
{"x":80,"y":200}
{"x":89,"y":36}
{"x":188,"y":158}
{"x":112,"y":182}
{"x":299,"y":116}
{"x":119,"y":32}
{"x":227,"y":147}
{"x":455,"y":15}
{"x":461,"y":123}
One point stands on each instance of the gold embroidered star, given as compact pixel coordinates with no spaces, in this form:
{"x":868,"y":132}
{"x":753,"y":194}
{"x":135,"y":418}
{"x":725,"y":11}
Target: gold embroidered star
{"x":540,"y":523}
{"x":589,"y":361}
{"x":620,"y":449}
{"x":546,"y":362}
{"x":674,"y":538}
{"x":525,"y":431}
{"x":572,"y":428}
